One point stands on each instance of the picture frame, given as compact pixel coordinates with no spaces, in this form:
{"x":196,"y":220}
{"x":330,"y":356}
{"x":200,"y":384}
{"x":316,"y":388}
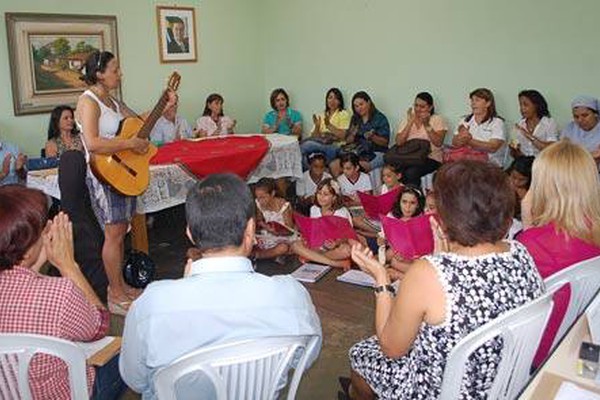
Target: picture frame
{"x":176,"y":28}
{"x":47,"y":52}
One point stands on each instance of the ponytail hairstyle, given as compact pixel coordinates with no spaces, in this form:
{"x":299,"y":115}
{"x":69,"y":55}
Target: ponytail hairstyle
{"x":96,"y":62}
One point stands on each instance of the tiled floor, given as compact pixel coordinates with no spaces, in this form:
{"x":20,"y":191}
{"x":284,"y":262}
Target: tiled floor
{"x":346,"y":311}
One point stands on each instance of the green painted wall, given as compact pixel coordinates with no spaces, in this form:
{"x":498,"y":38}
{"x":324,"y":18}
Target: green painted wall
{"x":228,"y":39}
{"x":391,"y":48}
{"x":395,"y":48}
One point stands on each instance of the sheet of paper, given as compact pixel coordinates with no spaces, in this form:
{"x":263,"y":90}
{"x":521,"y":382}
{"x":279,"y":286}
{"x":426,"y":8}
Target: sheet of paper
{"x":91,"y":348}
{"x":310,"y":272}
{"x":570,"y":391}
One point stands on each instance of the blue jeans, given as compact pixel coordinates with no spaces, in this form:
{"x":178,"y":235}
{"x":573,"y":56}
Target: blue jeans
{"x":108,"y":384}
{"x":377,"y":162}
{"x":308,"y":147}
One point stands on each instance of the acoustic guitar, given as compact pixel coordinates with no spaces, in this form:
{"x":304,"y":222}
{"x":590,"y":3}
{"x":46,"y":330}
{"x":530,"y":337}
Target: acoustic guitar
{"x":126,"y":171}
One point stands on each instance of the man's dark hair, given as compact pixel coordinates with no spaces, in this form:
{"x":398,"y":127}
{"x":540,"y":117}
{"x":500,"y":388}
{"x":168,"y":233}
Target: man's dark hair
{"x":218,"y":210}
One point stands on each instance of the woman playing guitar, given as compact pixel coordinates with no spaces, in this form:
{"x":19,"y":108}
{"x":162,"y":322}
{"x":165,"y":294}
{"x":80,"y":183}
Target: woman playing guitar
{"x":99,"y":116}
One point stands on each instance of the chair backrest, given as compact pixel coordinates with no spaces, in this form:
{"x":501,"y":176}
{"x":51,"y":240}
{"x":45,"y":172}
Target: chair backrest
{"x":16,"y":352}
{"x":521,"y":331}
{"x":584,"y":279}
{"x":247,"y":369}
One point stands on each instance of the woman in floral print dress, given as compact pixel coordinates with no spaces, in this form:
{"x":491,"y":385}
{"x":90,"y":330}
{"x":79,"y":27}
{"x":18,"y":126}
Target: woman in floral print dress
{"x":473,"y":277}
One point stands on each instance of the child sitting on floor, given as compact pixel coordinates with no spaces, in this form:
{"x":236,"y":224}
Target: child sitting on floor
{"x":336,"y":253}
{"x":391,"y":180}
{"x":410,"y":204}
{"x":270,"y":208}
{"x":353,"y":180}
{"x":306,"y":187}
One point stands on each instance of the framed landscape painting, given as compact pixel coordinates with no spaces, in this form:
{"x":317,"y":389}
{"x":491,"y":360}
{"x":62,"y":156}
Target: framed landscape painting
{"x":47,"y":53}
{"x":176,"y":34}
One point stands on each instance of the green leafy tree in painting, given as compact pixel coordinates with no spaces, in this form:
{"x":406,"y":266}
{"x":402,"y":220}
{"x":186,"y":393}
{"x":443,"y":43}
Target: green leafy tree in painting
{"x":62,"y":49}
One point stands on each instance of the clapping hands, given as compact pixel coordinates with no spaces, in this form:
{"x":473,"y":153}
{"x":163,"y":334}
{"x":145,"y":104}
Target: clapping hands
{"x":58,"y":243}
{"x":364,"y":258}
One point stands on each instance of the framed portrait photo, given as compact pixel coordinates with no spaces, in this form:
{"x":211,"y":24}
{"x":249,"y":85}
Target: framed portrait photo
{"x":47,"y":53}
{"x":176,"y":34}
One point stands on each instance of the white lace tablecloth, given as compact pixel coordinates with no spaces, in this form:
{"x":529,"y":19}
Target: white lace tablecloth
{"x":169,"y":183}
{"x":283,"y":160}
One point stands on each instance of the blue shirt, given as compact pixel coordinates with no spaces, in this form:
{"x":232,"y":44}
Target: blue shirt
{"x":222,"y":299}
{"x":590,"y":139}
{"x":378,"y":124}
{"x":285,"y":126}
{"x":9,"y":148}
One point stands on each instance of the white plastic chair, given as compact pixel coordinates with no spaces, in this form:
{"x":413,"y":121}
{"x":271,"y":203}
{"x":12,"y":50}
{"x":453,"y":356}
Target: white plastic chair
{"x":584,"y":278}
{"x":247,"y":369}
{"x":16,"y":352}
{"x":521,"y":331}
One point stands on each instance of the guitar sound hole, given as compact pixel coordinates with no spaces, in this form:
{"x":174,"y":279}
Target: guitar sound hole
{"x":130,"y":170}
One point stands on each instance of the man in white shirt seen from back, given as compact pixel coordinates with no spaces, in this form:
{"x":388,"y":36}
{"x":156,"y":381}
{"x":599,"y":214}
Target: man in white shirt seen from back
{"x":219,"y":299}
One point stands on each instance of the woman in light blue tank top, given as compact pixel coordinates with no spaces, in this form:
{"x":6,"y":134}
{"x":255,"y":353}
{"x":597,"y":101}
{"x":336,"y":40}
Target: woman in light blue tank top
{"x":99,"y":116}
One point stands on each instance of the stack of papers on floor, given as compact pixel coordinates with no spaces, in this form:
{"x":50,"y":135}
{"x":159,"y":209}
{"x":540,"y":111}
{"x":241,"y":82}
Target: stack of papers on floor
{"x":358,"y":277}
{"x":310,"y":272}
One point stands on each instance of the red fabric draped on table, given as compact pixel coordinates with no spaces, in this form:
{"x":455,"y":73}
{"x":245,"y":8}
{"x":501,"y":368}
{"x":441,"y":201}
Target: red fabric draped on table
{"x":238,"y":155}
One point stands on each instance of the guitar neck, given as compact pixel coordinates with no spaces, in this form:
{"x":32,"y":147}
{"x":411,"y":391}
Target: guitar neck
{"x":154,"y":115}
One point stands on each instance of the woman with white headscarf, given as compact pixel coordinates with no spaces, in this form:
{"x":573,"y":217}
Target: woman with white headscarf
{"x":585,"y":127}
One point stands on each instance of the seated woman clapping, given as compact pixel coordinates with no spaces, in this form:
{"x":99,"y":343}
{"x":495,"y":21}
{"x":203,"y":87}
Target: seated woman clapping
{"x":213,"y":121}
{"x":481,"y":134}
{"x":329,"y":130}
{"x":64,"y":307}
{"x":473,"y":277}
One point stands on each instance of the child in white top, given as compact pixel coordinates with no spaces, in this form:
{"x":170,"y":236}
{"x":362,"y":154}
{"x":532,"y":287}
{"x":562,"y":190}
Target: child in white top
{"x":213,"y":122}
{"x":306,"y":187}
{"x":271,"y":208}
{"x":336,"y":253}
{"x":352,"y":180}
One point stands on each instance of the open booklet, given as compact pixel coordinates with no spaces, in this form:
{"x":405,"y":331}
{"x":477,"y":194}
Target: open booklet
{"x":310,"y":272}
{"x":360,"y":278}
{"x":378,"y":205}
{"x":410,"y":239}
{"x":316,"y":231}
{"x":280,"y":229}
{"x":99,"y":352}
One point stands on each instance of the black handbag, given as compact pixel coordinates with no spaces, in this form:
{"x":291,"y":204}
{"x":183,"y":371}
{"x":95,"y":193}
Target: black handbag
{"x":412,"y":153}
{"x":139,"y":270}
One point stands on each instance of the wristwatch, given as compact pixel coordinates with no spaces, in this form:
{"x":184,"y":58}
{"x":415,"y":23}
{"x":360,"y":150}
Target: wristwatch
{"x":384,"y":288}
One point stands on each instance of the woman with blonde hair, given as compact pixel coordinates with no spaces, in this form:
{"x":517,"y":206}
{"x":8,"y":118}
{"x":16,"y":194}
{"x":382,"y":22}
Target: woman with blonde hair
{"x":561,"y":214}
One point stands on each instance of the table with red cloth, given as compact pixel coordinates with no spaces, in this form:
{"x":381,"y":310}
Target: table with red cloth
{"x":169,"y":182}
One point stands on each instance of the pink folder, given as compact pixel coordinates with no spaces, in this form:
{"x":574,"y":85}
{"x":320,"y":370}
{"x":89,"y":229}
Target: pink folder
{"x":316,"y":231}
{"x":411,"y":239}
{"x":378,"y":205}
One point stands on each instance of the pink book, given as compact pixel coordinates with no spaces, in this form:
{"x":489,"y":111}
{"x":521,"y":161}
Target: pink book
{"x":378,"y":205}
{"x":410,"y":239}
{"x":316,"y":231}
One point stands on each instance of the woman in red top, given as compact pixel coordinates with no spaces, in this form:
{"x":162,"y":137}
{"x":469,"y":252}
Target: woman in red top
{"x":561,"y":214}
{"x":64,"y":307}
